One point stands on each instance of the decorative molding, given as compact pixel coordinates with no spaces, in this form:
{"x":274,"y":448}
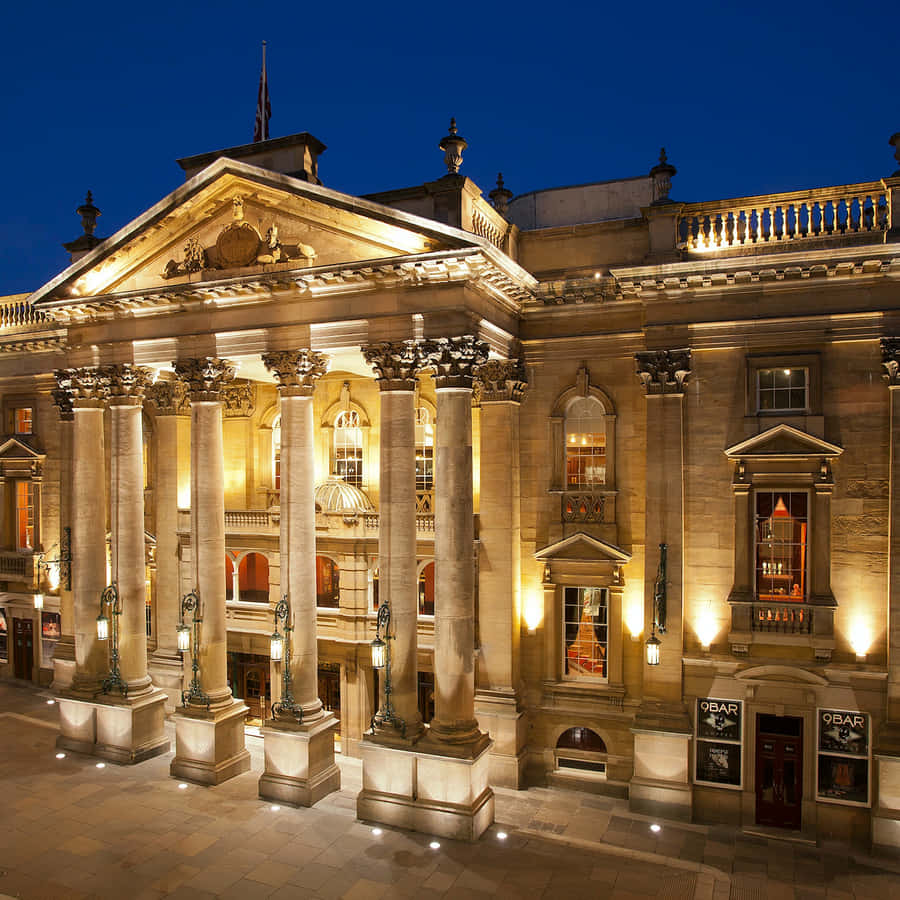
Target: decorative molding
{"x":127,"y":383}
{"x":455,"y":360}
{"x":890,"y":359}
{"x":296,"y":371}
{"x":502,"y":379}
{"x":239,"y":399}
{"x":396,"y":363}
{"x":62,"y":395}
{"x":664,"y":371}
{"x":169,"y":398}
{"x":205,"y":376}
{"x":88,"y":385}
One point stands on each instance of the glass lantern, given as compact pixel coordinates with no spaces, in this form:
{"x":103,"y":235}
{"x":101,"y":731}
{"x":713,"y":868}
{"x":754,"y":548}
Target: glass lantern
{"x":653,"y":650}
{"x":184,"y":638}
{"x":276,"y":647}
{"x":38,"y":601}
{"x":379,"y":653}
{"x":102,"y":627}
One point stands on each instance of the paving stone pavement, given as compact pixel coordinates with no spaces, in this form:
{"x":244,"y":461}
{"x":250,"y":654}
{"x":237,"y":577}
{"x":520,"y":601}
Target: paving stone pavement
{"x":71,"y":830}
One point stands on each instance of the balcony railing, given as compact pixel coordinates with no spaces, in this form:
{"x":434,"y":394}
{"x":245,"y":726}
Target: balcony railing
{"x":248,"y":518}
{"x":781,"y":219}
{"x":786,"y":619}
{"x":18,"y":567}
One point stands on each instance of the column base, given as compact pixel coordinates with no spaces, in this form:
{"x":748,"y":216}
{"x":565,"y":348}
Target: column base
{"x":131,"y":730}
{"x":886,"y":815}
{"x":499,"y":715}
{"x":426,"y":790}
{"x":167,"y":671}
{"x":77,"y":724}
{"x":209,"y":746}
{"x":63,"y":663}
{"x":300,"y":767}
{"x":661,"y":783}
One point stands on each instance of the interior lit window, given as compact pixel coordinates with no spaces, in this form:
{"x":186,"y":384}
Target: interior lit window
{"x":426,"y":590}
{"x":585,"y":444}
{"x":328,"y":583}
{"x":22,"y":420}
{"x":424,"y":450}
{"x":348,"y":463}
{"x":585,"y":631}
{"x":24,"y":515}
{"x":780,"y":390}
{"x":276,"y":453}
{"x":782,"y":539}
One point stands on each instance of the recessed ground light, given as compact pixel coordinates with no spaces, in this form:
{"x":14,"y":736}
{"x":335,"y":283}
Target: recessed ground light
{"x":377,"y":831}
{"x":182,"y":786}
{"x":275,"y":807}
{"x":60,"y":755}
{"x":101,"y":765}
{"x":435,"y":845}
{"x":50,"y":702}
{"x":501,"y":835}
{"x":655,"y":828}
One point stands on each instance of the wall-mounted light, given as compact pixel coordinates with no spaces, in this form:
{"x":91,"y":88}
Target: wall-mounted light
{"x":860,"y":636}
{"x":653,"y":648}
{"x":533,"y":613}
{"x":61,"y":567}
{"x":658,"y":622}
{"x":184,"y":637}
{"x":38,"y":601}
{"x":705,"y":627}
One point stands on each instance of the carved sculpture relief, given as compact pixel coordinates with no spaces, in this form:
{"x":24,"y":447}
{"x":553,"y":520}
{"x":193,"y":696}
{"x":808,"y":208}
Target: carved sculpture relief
{"x":169,"y":398}
{"x":396,"y":363}
{"x":296,"y":371}
{"x":455,"y":359}
{"x":664,"y":371}
{"x":502,"y":379}
{"x":205,"y":377}
{"x":239,"y":399}
{"x":890,"y":359}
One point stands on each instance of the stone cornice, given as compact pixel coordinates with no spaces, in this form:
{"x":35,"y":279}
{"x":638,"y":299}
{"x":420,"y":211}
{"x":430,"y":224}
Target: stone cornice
{"x":663,"y":371}
{"x":502,"y":379}
{"x":205,"y":377}
{"x":396,"y":363}
{"x":454,"y":360}
{"x":296,"y":371}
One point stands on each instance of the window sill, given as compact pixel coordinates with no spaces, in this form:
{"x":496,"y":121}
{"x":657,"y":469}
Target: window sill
{"x":563,"y":693}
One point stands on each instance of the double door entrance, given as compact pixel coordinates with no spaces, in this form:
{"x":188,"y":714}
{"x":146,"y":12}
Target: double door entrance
{"x":779,"y":770}
{"x":23,"y":648}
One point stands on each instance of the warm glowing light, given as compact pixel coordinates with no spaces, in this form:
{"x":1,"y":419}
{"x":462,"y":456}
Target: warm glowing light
{"x":705,"y":626}
{"x":53,"y":575}
{"x":276,"y":647}
{"x":435,"y":845}
{"x":275,"y":807}
{"x":860,"y":637}
{"x":102,"y":628}
{"x":60,"y":755}
{"x":787,"y":372}
{"x":653,"y":650}
{"x":377,"y":832}
{"x":182,"y":786}
{"x":501,"y":835}
{"x":634,"y":615}
{"x":101,"y":765}
{"x":184,"y":638}
{"x":50,"y":702}
{"x":533,"y":613}
{"x":379,"y":653}
{"x":38,"y":601}
{"x":655,"y":828}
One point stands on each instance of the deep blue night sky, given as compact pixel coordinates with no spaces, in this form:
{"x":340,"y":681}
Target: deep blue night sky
{"x":746,"y":98}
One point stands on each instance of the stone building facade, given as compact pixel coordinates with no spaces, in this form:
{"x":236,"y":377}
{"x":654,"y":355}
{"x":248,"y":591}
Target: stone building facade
{"x":611,"y":478}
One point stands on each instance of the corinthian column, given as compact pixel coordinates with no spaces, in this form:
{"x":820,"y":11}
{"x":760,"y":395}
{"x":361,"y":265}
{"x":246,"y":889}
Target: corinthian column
{"x":395,"y":367}
{"x":299,"y":742}
{"x":209,"y":732}
{"x":454,"y":361}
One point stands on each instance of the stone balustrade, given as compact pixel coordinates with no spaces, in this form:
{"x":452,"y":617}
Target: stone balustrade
{"x":18,"y":567}
{"x":784,"y":218}
{"x":249,"y":519}
{"x":20,"y":314}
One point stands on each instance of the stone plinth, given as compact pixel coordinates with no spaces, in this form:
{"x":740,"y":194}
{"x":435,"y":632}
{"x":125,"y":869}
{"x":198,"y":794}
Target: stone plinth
{"x":77,"y":724}
{"x":300,"y":767}
{"x":499,"y":715}
{"x":427,"y":791}
{"x":209,"y":746}
{"x":167,"y":671}
{"x":661,"y":781}
{"x":131,"y":730}
{"x":886,"y":809}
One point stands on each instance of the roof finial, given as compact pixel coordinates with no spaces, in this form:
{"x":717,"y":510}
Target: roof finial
{"x":661,"y":175}
{"x":894,"y":141}
{"x":453,"y":145}
{"x":89,"y":214}
{"x":500,"y":196}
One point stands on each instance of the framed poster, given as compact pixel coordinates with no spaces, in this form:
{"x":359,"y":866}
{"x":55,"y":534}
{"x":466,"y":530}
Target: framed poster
{"x":719,"y":742}
{"x":843,"y":757}
{"x":4,"y":631}
{"x":50,"y":626}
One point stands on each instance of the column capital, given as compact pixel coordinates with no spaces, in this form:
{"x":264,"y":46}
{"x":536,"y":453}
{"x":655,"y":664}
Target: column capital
{"x":296,"y":371}
{"x":169,"y":398}
{"x":890,"y":360}
{"x":127,"y":383}
{"x":239,"y":398}
{"x":396,"y":363}
{"x":62,"y":395}
{"x":87,"y":385}
{"x":663,"y":371}
{"x":502,"y":379}
{"x":455,"y":360}
{"x":204,"y":376}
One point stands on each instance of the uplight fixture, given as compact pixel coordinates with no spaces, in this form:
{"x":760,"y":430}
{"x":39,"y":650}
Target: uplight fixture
{"x":435,"y":845}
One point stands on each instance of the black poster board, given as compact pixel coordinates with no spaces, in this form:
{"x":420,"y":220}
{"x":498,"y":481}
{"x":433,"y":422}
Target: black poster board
{"x":842,"y":759}
{"x":718,"y":748}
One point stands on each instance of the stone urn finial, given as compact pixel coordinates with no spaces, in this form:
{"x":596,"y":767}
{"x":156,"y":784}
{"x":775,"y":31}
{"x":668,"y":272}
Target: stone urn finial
{"x":894,"y":141}
{"x":662,"y":174}
{"x":500,"y":196}
{"x":89,"y":214}
{"x":453,"y":145}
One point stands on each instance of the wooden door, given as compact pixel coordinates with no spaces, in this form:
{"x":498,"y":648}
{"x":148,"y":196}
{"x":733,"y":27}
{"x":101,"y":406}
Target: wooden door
{"x":779,"y":771}
{"x":23,"y":648}
{"x":256,"y":689}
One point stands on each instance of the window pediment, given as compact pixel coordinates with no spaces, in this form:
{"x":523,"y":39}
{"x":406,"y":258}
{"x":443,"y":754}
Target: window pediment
{"x":783,"y":442}
{"x":581,"y":547}
{"x":16,"y":448}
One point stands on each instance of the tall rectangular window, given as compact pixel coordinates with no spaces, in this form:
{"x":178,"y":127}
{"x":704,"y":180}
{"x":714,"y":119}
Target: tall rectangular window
{"x":782,"y":390}
{"x":22,"y":420}
{"x":348,"y":451}
{"x":24,"y":515}
{"x":585,"y":626}
{"x":782,"y":542}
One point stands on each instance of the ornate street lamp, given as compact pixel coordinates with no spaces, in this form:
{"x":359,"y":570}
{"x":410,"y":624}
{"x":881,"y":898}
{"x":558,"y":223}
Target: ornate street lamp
{"x":381,"y":659}
{"x":280,"y":650}
{"x":108,"y":629}
{"x":189,"y":639}
{"x":653,"y":647}
{"x":63,"y":562}
{"x":658,"y":622}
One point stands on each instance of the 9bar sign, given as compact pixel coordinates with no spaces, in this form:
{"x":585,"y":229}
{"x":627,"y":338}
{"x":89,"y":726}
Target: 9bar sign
{"x":842,"y":760}
{"x":718,"y":719}
{"x":718,"y":757}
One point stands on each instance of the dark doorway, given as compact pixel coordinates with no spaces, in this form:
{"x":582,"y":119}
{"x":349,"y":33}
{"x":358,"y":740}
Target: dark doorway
{"x":23,"y":648}
{"x":248,"y":678}
{"x":779,"y":770}
{"x":329,"y":679}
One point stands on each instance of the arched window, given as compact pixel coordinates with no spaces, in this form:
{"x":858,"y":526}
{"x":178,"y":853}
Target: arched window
{"x":348,"y":448}
{"x":229,"y":577}
{"x":581,"y":752}
{"x":424,"y":451}
{"x":585,"y":433}
{"x":581,"y":739}
{"x":426,"y":590}
{"x":253,"y":578}
{"x":374,"y":583}
{"x":328,"y":583}
{"x":276,"y":453}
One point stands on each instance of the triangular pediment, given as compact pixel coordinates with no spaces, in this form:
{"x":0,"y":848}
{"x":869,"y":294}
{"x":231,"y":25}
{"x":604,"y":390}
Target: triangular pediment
{"x":13,"y":448}
{"x":581,"y":547}
{"x":233,"y":219}
{"x":785,"y":442}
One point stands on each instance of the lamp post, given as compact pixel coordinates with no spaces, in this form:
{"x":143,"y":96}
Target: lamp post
{"x":63,"y":561}
{"x":280,"y":649}
{"x":381,"y":659}
{"x":189,"y":639}
{"x":658,"y":623}
{"x":108,"y":629}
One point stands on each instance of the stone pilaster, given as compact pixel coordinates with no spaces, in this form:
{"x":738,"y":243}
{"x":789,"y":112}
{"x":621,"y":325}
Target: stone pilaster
{"x":661,"y":726}
{"x":396,"y":365}
{"x":299,"y":751}
{"x":209,"y":739}
{"x":64,"y":653}
{"x":169,"y":401}
{"x":497,"y":697}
